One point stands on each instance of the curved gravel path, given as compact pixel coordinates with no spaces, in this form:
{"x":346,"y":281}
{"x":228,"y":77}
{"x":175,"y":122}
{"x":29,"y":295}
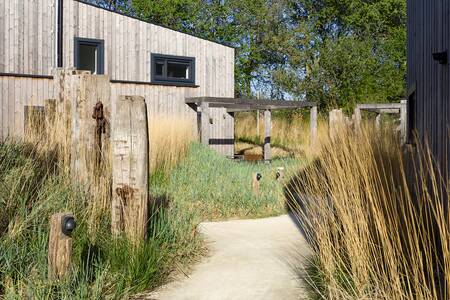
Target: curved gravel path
{"x":249,"y":259}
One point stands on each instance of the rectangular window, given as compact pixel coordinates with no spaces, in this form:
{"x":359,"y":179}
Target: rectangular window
{"x":89,"y":55}
{"x":173,"y":69}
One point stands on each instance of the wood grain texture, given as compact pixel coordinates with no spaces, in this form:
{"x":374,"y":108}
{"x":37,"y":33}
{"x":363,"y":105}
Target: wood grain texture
{"x":130,"y":168}
{"x":59,"y":248}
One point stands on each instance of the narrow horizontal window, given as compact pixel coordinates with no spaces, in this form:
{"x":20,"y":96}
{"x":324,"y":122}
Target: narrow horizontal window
{"x":173,"y":69}
{"x":89,"y":55}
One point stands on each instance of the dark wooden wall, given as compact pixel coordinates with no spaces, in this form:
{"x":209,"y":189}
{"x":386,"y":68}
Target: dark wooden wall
{"x":429,"y":32}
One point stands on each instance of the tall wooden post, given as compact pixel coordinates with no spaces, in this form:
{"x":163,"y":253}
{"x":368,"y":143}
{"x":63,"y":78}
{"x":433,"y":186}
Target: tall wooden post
{"x":357,"y":119}
{"x":59,"y":247}
{"x":313,"y":127}
{"x":378,"y":122}
{"x":257,"y":124}
{"x":81,"y":93}
{"x":403,"y":120}
{"x":267,"y":129}
{"x":204,"y":131}
{"x":130,"y":168}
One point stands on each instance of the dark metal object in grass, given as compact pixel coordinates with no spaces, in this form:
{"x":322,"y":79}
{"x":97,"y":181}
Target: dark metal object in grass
{"x":68,"y":225}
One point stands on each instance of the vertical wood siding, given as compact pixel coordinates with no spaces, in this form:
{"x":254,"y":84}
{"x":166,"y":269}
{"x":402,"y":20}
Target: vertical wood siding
{"x":428,"y":32}
{"x":15,"y":94}
{"x":27,"y":37}
{"x":27,"y":30}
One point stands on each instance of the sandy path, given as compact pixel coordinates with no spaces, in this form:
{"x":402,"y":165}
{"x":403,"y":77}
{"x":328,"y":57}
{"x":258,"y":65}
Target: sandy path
{"x":249,"y":259}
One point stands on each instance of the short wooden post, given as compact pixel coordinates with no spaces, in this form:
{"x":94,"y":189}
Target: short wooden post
{"x":257,"y":123}
{"x":204,"y":131}
{"x":403,"y":120}
{"x":59,"y":247}
{"x":130,"y":168}
{"x":378,"y":122}
{"x":280,"y":174}
{"x":256,"y":178}
{"x":313,"y":127}
{"x":267,"y":129}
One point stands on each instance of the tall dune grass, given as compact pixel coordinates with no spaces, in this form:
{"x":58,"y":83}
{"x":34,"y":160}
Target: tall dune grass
{"x":35,"y":182}
{"x":169,"y":141}
{"x":374,"y":236}
{"x":289,"y":132}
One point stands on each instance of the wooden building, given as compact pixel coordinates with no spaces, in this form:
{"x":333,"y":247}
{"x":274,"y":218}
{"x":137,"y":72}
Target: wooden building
{"x":428,"y":76}
{"x":162,"y":65}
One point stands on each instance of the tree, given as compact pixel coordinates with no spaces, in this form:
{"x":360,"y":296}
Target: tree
{"x":347,"y":51}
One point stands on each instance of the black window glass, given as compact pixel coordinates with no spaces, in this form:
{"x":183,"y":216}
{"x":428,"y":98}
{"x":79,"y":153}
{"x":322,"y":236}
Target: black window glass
{"x":89,"y":55}
{"x":87,"y":58}
{"x":177,"y":70}
{"x":159,"y":67}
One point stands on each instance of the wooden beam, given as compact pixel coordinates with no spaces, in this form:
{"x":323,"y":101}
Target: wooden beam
{"x":267,"y":129}
{"x":204,"y":121}
{"x":313,"y":127}
{"x":130,"y":169}
{"x":237,"y":104}
{"x":366,"y":106}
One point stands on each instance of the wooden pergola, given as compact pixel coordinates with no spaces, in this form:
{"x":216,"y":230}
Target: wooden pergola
{"x":384,"y":108}
{"x":203,"y":104}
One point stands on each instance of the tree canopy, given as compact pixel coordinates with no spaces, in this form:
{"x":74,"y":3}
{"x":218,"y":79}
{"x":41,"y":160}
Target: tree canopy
{"x":334,"y":52}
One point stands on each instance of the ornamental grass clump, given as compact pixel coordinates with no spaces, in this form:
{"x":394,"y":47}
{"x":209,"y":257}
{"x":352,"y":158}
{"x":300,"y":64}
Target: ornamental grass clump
{"x":376,"y":218}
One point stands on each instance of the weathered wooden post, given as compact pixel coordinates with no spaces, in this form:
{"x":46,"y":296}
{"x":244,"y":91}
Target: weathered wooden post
{"x":267,"y":129}
{"x":204,"y":131}
{"x":255,"y":183}
{"x":50,"y":113}
{"x":357,"y":119}
{"x":60,"y":245}
{"x":280,"y":174}
{"x":257,"y":123}
{"x":313,"y":127}
{"x":130,"y":168}
{"x":79,"y":93}
{"x":378,"y":122}
{"x":403,"y":120}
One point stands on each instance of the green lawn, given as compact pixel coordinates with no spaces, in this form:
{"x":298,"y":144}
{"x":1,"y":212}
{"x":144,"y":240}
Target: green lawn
{"x":212,"y":187}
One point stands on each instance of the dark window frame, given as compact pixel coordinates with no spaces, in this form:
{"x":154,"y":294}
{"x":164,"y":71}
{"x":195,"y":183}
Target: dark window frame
{"x":100,"y":44}
{"x":163,"y":79}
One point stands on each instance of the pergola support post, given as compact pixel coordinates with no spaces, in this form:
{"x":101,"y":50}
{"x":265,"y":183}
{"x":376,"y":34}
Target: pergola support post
{"x":313,"y":127}
{"x":267,"y":129}
{"x":378,"y":122}
{"x":403,"y":120}
{"x":204,"y":120}
{"x":357,"y":115}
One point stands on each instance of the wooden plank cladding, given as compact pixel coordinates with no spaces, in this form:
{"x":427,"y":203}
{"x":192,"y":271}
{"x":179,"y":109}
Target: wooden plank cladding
{"x":428,"y":79}
{"x":28,"y":58}
{"x":27,"y":36}
{"x":15,"y":94}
